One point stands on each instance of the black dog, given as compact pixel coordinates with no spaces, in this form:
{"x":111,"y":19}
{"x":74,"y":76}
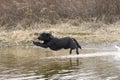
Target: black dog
{"x":57,"y":43}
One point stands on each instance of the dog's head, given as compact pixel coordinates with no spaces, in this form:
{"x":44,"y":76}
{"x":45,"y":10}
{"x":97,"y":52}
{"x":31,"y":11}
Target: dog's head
{"x":45,"y":37}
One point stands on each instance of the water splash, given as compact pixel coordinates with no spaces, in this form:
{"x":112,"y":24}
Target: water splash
{"x":117,"y":57}
{"x":98,"y":54}
{"x":117,"y":47}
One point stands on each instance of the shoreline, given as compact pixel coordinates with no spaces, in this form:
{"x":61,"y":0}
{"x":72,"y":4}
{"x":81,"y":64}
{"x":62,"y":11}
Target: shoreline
{"x":87,"y":34}
{"x":93,"y":45}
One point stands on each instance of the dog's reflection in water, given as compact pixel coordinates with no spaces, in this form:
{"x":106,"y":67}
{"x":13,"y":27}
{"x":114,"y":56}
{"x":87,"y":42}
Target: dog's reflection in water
{"x":49,"y":41}
{"x":74,"y":61}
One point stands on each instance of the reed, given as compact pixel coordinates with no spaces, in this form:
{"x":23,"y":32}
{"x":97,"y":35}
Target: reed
{"x":28,"y":12}
{"x":86,"y":20}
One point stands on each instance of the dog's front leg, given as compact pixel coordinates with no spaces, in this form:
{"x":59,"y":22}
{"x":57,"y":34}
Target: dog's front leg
{"x":40,"y":44}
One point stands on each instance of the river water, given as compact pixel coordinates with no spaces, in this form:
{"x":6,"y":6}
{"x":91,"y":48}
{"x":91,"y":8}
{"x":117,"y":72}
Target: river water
{"x":28,"y":63}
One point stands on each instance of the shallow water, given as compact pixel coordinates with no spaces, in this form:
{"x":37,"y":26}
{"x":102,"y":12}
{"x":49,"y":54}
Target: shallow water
{"x":20,"y":63}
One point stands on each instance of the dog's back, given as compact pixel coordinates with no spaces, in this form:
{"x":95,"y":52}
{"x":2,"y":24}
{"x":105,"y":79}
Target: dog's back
{"x":65,"y":43}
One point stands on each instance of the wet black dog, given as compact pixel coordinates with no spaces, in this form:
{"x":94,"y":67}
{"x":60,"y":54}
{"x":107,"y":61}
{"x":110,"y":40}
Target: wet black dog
{"x":57,"y":43}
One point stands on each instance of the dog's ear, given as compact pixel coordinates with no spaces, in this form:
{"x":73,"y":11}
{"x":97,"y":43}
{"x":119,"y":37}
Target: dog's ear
{"x":49,"y":35}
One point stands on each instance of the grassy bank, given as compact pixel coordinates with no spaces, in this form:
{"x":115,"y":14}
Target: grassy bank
{"x":89,"y":21}
{"x":85,"y":33}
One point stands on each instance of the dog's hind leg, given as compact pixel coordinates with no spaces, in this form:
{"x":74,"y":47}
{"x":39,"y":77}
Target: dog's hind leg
{"x":77,"y":52}
{"x":70,"y":51}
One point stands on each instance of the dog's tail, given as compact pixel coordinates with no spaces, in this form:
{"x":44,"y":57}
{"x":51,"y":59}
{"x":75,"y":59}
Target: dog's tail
{"x":77,"y":43}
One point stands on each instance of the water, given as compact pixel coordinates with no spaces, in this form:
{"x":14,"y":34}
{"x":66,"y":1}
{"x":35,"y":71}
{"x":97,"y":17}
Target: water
{"x":20,"y":63}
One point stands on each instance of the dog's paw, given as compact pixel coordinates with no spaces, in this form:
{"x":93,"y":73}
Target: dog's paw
{"x":37,"y":43}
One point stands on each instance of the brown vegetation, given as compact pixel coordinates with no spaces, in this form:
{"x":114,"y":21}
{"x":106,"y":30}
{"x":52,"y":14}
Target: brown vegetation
{"x":86,"y":20}
{"x":25,"y":13}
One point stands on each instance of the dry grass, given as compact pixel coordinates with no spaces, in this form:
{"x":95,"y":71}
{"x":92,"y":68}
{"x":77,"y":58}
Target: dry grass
{"x":84,"y":33}
{"x":28,"y":12}
{"x":87,"y":20}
